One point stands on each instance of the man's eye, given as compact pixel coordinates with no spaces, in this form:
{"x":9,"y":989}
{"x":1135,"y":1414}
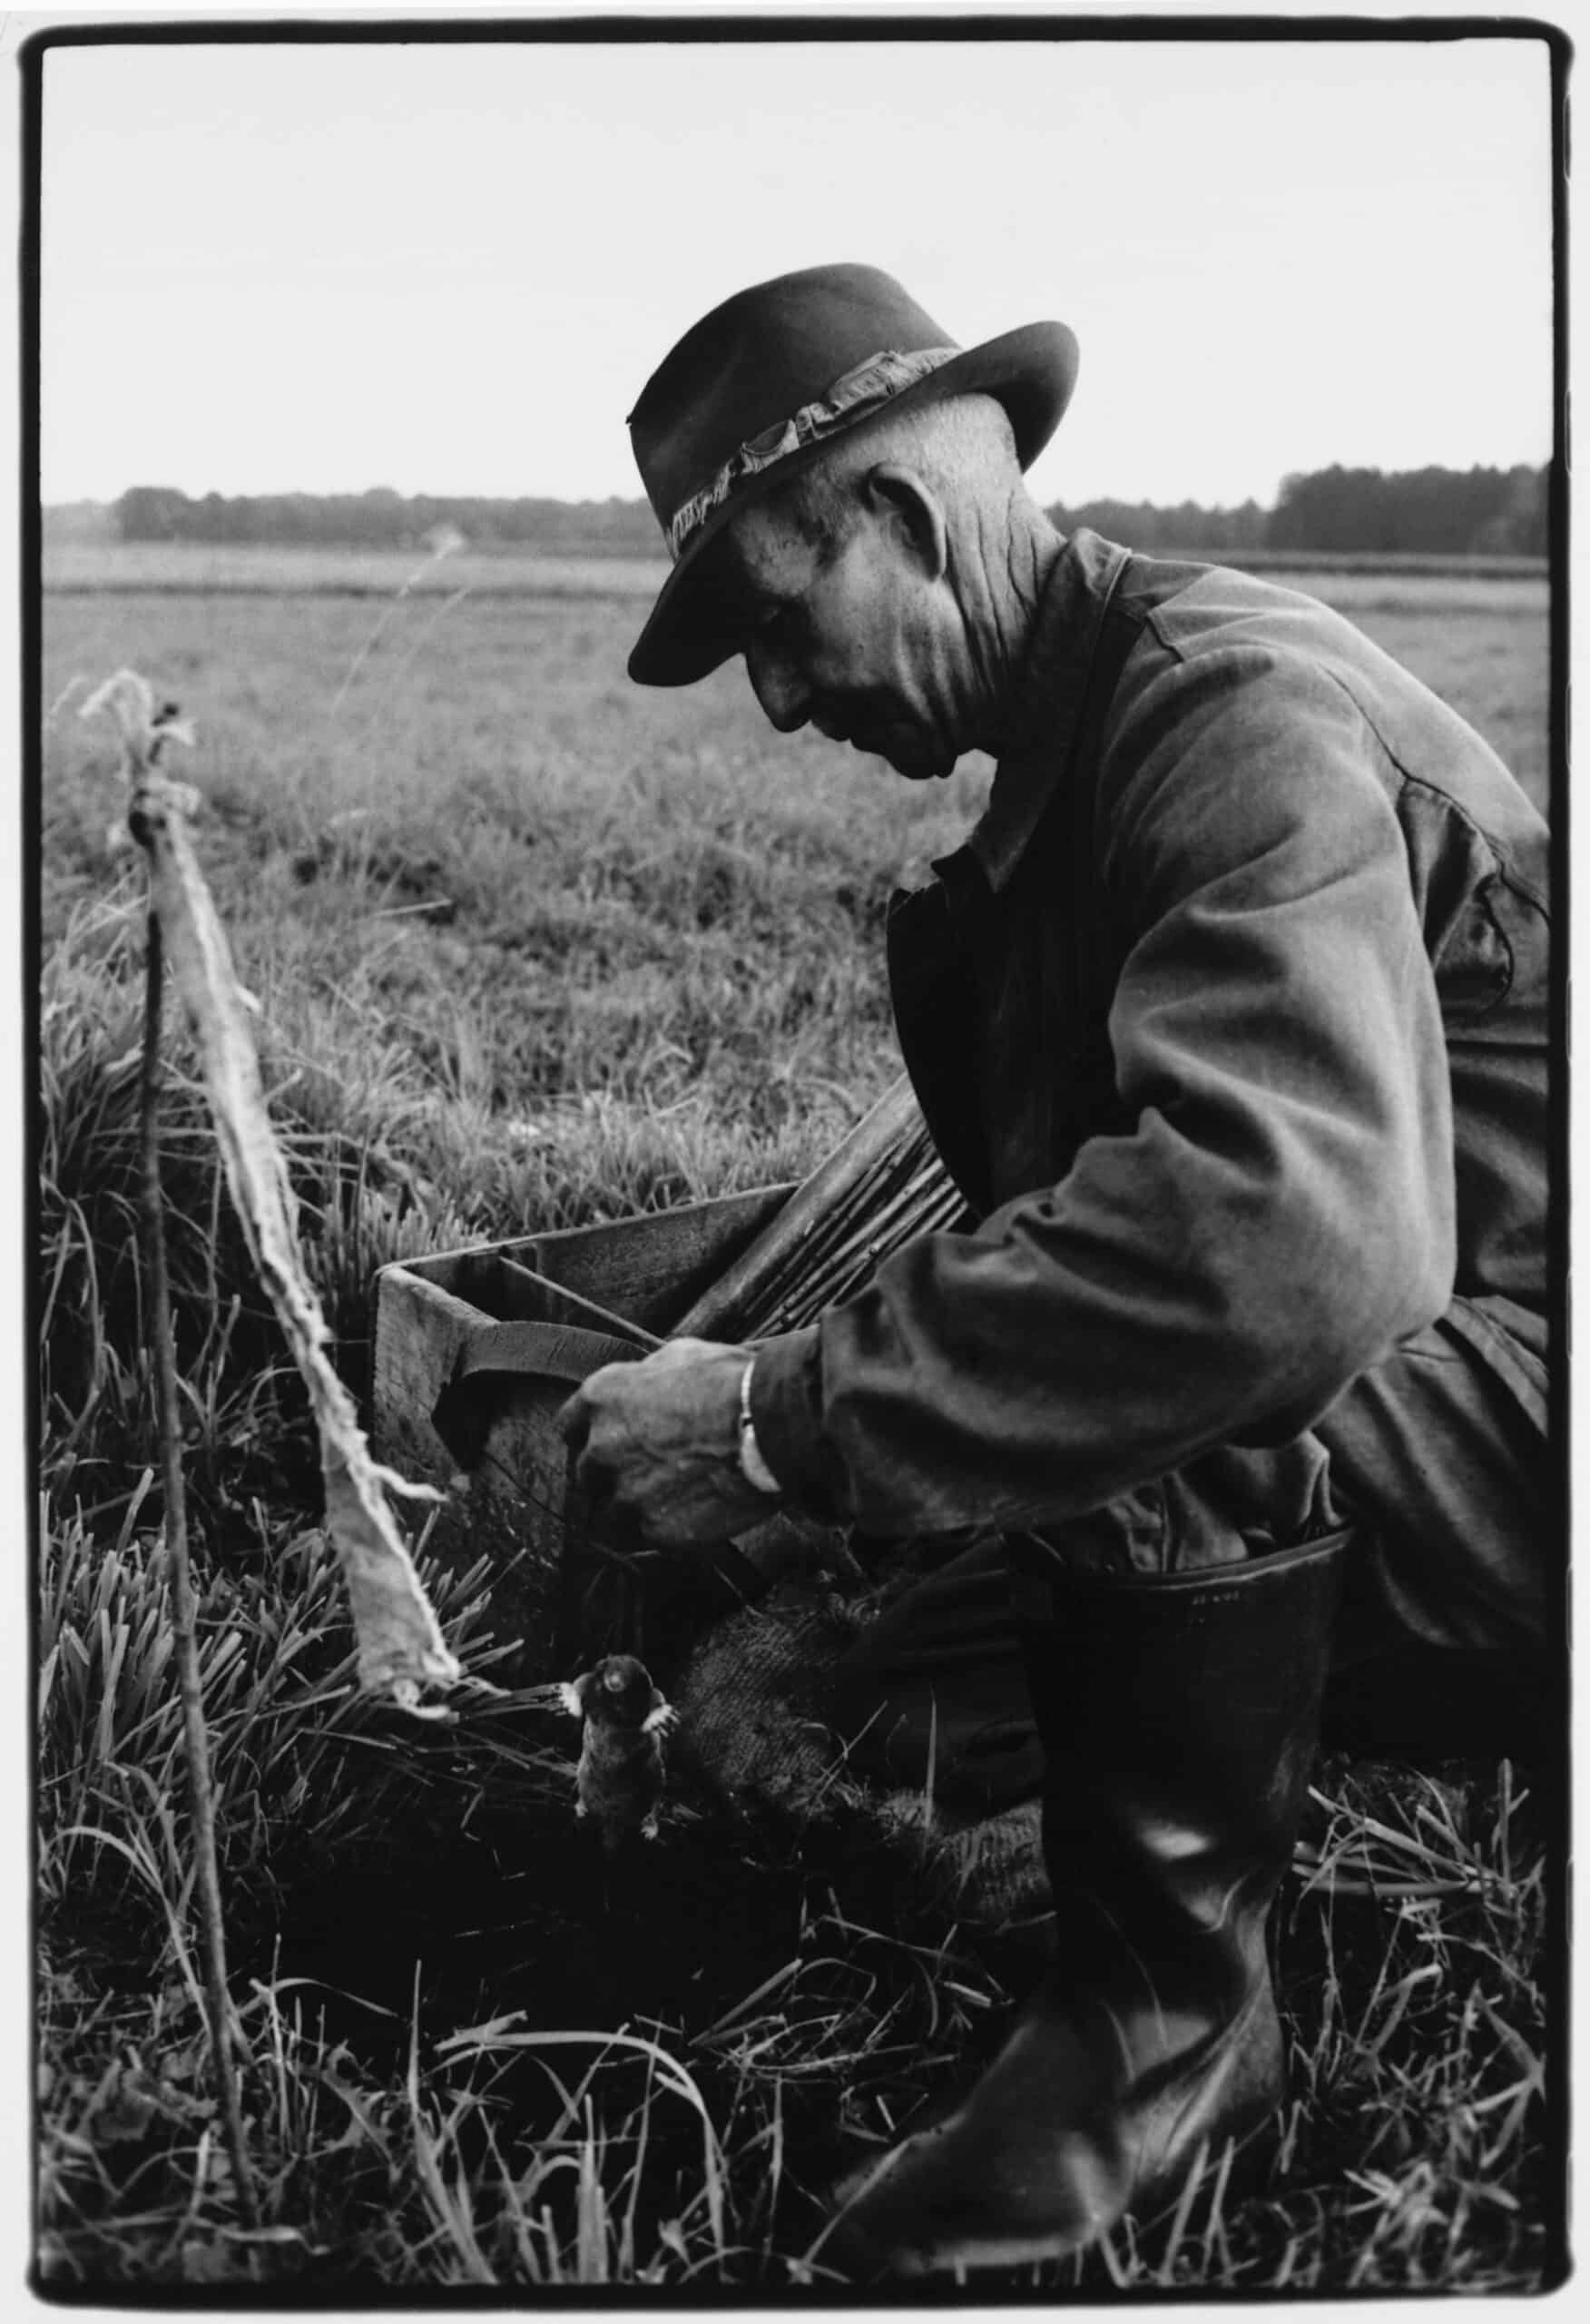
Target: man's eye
{"x":759,"y":625}
{"x":769,"y":626}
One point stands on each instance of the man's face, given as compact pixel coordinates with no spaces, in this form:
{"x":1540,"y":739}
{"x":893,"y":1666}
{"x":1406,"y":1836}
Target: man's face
{"x":847,"y":640}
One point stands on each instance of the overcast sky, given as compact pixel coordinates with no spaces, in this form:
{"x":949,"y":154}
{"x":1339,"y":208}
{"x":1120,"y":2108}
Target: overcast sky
{"x":451,"y":269}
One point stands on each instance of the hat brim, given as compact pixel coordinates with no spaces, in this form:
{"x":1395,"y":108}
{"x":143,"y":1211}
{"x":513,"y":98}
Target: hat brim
{"x":1031,"y":371}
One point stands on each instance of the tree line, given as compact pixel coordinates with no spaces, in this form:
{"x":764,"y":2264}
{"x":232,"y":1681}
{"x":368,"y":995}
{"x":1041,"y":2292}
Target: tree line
{"x":1449,"y":512}
{"x":382,"y":518}
{"x":1440,"y":512}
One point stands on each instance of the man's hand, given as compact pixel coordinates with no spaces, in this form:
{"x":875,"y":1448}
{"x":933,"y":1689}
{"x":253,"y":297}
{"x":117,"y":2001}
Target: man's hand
{"x":658,"y":1442}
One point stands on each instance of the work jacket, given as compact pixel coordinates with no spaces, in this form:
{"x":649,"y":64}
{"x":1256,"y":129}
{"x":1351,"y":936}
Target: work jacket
{"x":1231,"y":1018}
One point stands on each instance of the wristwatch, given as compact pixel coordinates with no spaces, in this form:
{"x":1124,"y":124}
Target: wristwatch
{"x":752,"y":1467}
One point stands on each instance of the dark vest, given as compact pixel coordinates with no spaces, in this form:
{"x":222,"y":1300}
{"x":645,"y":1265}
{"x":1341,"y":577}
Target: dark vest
{"x":1002,"y":1001}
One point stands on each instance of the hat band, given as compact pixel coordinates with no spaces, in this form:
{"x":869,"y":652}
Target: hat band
{"x":863,"y":389}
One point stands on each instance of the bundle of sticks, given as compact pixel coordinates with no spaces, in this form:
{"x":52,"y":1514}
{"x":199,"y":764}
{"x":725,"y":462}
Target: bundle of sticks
{"x":880,"y":1189}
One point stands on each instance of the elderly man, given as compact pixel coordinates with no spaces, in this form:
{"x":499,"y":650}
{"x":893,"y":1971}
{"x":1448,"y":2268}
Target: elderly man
{"x":1231,"y":1019}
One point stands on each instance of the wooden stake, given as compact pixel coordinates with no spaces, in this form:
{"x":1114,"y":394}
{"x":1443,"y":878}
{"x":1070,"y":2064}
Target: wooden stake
{"x":184,"y":1624}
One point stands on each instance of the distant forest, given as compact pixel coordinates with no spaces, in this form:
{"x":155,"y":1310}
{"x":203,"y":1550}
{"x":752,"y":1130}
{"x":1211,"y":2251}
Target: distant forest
{"x":1449,"y":512}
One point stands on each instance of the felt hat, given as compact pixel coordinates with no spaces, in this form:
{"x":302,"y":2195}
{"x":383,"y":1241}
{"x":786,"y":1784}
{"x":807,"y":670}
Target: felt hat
{"x":766,"y":381}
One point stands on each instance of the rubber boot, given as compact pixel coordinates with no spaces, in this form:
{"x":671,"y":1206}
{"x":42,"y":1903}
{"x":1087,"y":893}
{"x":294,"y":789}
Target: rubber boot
{"x":1179,"y":1717}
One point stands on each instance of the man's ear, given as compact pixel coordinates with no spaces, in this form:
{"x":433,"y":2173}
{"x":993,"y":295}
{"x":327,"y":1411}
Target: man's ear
{"x":902,"y":496}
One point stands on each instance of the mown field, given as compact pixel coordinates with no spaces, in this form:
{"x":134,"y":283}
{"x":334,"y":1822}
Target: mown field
{"x":104,"y":564}
{"x":535,"y":947}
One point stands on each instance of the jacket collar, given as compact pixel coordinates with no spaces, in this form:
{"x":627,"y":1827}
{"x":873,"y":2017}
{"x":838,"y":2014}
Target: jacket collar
{"x":1048,"y":704}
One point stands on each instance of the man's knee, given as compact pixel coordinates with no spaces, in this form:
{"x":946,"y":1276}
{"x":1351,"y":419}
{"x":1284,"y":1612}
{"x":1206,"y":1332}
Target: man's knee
{"x":934,"y":1692}
{"x":1448,"y":1471}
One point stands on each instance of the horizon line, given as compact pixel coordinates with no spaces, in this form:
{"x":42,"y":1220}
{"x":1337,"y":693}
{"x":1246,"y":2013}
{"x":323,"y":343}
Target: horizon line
{"x":638,"y":500}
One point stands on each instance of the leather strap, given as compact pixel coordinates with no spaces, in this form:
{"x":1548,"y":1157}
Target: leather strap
{"x":497,"y":1353}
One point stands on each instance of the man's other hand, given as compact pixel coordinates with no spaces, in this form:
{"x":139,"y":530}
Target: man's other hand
{"x":657,"y":1443}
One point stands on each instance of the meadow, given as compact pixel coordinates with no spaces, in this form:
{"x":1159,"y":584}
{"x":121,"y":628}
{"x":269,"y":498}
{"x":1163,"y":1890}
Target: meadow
{"x":535,"y":947}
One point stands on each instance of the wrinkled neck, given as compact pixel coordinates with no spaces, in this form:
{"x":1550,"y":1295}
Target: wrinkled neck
{"x":1001,"y":571}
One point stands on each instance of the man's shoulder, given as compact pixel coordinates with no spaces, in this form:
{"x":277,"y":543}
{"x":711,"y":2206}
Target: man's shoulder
{"x":1211,"y":643}
{"x":1225,"y":655}
{"x":1194,"y":607}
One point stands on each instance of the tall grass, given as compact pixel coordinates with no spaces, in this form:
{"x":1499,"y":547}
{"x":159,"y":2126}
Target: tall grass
{"x":528,"y":953}
{"x":512,"y":2152}
{"x":296,"y":1748}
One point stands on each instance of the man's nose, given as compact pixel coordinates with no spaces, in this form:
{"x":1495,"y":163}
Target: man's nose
{"x":778,"y":687}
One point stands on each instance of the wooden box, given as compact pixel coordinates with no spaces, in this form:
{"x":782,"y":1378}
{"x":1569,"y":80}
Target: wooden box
{"x":509,"y":1491}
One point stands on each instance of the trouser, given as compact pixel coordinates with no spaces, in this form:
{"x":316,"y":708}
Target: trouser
{"x":1451,"y":1596}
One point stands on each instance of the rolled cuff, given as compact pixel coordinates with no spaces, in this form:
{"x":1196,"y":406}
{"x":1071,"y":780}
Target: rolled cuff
{"x":786,"y":1410}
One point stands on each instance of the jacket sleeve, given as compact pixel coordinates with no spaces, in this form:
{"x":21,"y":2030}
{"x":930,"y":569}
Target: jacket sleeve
{"x":1282,"y":1213}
